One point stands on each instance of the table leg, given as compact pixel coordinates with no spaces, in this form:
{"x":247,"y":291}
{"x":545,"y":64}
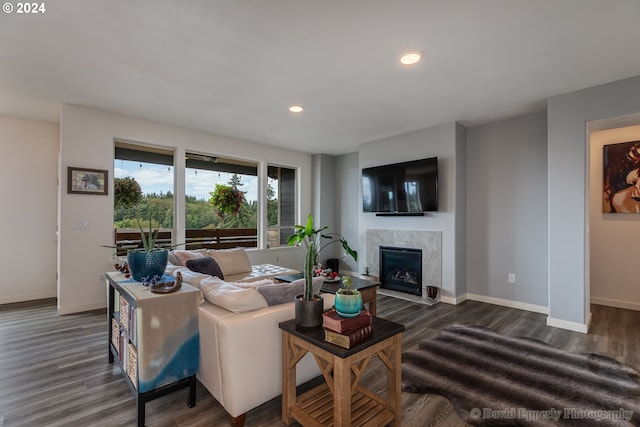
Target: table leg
{"x":394,"y":394}
{"x":191,"y":401}
{"x":288,"y":379}
{"x":342,"y":392}
{"x":373,"y":304}
{"x":140,"y":404}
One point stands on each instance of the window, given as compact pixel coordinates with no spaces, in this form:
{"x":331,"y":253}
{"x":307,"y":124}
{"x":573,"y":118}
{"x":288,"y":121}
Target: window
{"x":152,"y":170}
{"x":204,"y":173}
{"x":206,"y":224}
{"x":281,"y":204}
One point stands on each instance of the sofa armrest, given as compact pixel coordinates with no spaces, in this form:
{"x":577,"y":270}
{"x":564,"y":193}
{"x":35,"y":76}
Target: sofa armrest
{"x":241,"y":355}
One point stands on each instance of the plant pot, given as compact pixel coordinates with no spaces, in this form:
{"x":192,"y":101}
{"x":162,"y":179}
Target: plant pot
{"x":348,"y":304}
{"x":308,"y":313}
{"x":147,"y":264}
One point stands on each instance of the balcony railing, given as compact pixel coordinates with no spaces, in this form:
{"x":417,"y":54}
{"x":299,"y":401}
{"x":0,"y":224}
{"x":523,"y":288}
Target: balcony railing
{"x":207,"y":238}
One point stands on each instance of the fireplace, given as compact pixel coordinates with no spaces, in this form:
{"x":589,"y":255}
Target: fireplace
{"x":401,"y":269}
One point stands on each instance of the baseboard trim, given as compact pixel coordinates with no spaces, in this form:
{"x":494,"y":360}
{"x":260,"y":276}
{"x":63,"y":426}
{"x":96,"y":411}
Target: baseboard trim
{"x":80,"y":308}
{"x":509,"y":303}
{"x":572,"y":326}
{"x":453,"y":300}
{"x":615,"y":303}
{"x":27,"y":297}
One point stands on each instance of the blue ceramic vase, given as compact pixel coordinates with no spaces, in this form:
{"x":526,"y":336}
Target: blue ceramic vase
{"x":348,"y":304}
{"x":147,"y":264}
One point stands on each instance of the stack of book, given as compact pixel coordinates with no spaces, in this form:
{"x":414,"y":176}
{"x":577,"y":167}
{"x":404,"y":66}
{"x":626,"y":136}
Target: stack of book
{"x":346,"y":331}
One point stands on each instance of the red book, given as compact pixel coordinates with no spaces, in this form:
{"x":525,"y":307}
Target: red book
{"x":348,"y":340}
{"x":343,"y":325}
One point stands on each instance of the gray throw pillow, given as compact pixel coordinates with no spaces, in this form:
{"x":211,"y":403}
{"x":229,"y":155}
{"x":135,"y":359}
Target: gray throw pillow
{"x":205,"y":265}
{"x":281,"y":293}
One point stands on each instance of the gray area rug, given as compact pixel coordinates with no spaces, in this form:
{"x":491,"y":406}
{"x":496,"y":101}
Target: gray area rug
{"x":495,"y":380}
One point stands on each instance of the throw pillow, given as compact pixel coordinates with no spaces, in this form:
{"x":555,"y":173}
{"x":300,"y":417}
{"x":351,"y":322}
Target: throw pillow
{"x":183,"y":256}
{"x":231,"y":297}
{"x":231,"y":261}
{"x":205,"y":265}
{"x":254,"y":284}
{"x":280,"y":293}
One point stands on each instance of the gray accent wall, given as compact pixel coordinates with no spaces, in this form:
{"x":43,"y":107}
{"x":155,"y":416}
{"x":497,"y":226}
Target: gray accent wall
{"x":568,"y":119}
{"x":328,"y":180}
{"x":461,"y":210}
{"x":323,"y":180}
{"x":446,"y":142}
{"x":348,"y":198}
{"x":514,"y":199}
{"x":507,"y":210}
{"x":336,"y":204}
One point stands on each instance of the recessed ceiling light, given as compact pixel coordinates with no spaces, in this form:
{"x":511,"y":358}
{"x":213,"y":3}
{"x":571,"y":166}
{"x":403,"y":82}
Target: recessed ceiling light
{"x":296,"y":109}
{"x":410,"y":58}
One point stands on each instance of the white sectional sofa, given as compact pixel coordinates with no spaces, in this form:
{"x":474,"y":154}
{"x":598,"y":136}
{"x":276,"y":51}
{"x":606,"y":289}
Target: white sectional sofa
{"x":240,"y":341}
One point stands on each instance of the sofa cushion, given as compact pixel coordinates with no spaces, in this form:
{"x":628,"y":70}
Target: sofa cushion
{"x":205,"y":265}
{"x":231,"y":261}
{"x":180,"y":257}
{"x":279,"y":293}
{"x":231,"y":297}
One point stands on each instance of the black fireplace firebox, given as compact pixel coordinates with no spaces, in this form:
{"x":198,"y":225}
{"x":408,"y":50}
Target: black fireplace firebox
{"x":401,"y":269}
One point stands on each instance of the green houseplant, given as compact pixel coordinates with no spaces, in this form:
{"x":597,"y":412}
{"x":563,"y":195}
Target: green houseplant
{"x":315,"y":241}
{"x":150,"y":260}
{"x":348,"y":302}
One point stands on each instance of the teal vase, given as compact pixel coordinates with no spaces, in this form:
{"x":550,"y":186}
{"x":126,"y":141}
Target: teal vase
{"x":348,"y":305}
{"x":147,"y":264}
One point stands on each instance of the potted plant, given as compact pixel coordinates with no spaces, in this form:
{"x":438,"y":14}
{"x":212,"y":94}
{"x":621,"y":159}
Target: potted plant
{"x":150,"y":260}
{"x":309,"y":305}
{"x":227,"y":200}
{"x":348,"y":302}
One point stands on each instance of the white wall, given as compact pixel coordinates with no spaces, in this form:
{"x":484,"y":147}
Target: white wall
{"x":567,"y":118}
{"x":507,"y":212}
{"x":440,"y":141}
{"x":614,"y":237}
{"x":86,"y":140}
{"x":28,"y":187}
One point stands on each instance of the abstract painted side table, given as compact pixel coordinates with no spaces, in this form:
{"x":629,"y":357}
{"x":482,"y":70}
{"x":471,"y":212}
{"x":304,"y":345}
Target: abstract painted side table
{"x":154,"y":338}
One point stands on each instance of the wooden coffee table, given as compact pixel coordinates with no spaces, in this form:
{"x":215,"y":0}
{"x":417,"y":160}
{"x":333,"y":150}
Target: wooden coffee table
{"x":341,"y":401}
{"x":368,"y":288}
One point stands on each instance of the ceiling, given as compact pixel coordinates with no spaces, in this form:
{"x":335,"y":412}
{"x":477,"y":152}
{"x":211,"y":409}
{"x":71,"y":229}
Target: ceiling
{"x":232,"y":67}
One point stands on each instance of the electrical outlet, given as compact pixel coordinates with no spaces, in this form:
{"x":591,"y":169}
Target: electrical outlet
{"x":512,"y":278}
{"x":80,"y":225}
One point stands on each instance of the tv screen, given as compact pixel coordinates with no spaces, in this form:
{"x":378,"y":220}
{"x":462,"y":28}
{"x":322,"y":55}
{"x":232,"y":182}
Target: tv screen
{"x":401,"y":187}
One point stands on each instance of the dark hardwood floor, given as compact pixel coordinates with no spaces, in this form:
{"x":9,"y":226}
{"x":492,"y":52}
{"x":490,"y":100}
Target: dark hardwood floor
{"x":54,"y":370}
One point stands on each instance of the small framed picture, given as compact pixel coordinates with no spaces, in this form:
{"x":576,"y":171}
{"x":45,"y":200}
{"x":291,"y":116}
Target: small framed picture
{"x":87,"y":181}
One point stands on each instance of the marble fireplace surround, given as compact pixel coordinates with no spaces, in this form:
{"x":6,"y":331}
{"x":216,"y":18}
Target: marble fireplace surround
{"x":429,"y":241}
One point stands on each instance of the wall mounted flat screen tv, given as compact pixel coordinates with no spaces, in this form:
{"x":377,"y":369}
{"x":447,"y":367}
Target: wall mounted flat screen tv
{"x":407,"y":187}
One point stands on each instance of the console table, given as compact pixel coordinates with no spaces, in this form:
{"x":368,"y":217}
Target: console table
{"x":154,"y":338}
{"x":341,"y":401}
